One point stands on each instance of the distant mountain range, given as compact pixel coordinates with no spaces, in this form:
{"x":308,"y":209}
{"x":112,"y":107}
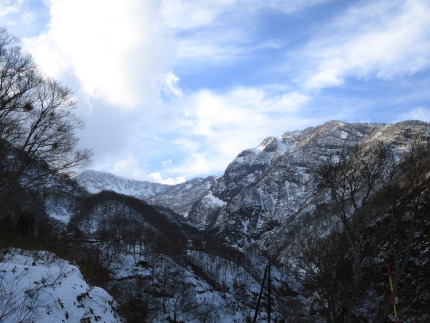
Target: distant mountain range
{"x":265,"y":191}
{"x":180,"y":198}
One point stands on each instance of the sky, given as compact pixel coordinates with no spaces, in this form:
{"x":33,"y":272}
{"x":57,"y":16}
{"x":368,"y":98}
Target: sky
{"x":171,"y":90}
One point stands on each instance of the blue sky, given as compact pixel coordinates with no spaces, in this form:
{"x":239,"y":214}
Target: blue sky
{"x":174,"y":89}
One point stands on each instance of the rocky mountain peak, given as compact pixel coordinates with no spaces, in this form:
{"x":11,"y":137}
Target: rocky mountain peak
{"x":274,"y":184}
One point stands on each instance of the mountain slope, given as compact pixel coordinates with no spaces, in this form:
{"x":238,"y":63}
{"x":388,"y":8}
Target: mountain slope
{"x":36,"y":286}
{"x":180,"y":197}
{"x":274,"y":186}
{"x":270,"y":187}
{"x":191,"y":279}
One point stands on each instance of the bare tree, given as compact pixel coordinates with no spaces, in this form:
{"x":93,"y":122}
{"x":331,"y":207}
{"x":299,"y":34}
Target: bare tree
{"x":352,"y":178}
{"x":323,"y":268}
{"x":18,"y":79}
{"x":368,"y":183}
{"x":37,"y":124}
{"x":404,"y":202}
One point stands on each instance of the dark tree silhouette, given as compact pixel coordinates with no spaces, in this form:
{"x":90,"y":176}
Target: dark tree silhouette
{"x":37,"y":125}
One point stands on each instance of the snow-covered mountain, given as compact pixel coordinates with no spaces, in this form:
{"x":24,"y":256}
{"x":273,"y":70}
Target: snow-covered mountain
{"x":270,"y":187}
{"x":271,"y":190}
{"x":180,"y":197}
{"x":96,"y":181}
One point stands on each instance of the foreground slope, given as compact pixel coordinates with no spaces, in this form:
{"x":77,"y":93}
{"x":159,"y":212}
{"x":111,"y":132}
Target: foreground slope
{"x":37,"y":286}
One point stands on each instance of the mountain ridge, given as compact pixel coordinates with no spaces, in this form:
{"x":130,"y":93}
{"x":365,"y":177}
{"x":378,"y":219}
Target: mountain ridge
{"x":273,"y":185}
{"x":178,"y":197}
{"x":250,"y":166}
{"x":279,"y":183}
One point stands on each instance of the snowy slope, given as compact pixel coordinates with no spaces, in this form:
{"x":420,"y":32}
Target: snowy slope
{"x":162,"y":266}
{"x":36,"y":286}
{"x":95,"y":182}
{"x":270,"y":191}
{"x":184,"y":294}
{"x":180,"y":197}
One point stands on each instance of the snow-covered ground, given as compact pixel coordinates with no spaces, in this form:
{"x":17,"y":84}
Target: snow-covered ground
{"x":37,"y":286}
{"x":58,"y":211}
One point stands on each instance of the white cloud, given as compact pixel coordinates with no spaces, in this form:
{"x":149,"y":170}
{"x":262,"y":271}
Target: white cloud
{"x":8,"y":7}
{"x":216,"y":127}
{"x":383,"y":39}
{"x":220,"y":31}
{"x":129,"y":168}
{"x":189,"y":14}
{"x":116,"y":49}
{"x":119,"y":50}
{"x":181,"y":14}
{"x":157,"y":178}
{"x":420,"y":113}
{"x":289,"y":6}
{"x":213,"y":49}
{"x":171,"y":84}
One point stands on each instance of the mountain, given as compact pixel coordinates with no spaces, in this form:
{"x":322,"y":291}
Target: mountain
{"x":179,"y":197}
{"x":96,"y":181}
{"x":266,"y":191}
{"x":271,"y":190}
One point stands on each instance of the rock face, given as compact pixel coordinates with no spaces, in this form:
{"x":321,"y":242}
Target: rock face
{"x":181,"y":197}
{"x":270,"y":192}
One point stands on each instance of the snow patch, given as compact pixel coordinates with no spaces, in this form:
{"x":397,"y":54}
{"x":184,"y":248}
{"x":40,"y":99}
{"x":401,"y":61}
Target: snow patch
{"x":59,"y":213}
{"x":343,"y":135}
{"x":214,"y":200}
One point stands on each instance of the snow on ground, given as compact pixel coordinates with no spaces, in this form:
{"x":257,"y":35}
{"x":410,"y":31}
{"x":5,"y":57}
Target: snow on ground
{"x":192,"y":299}
{"x":214,"y":200}
{"x":58,"y":212}
{"x":126,"y":265}
{"x":343,"y":135}
{"x":37,"y":286}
